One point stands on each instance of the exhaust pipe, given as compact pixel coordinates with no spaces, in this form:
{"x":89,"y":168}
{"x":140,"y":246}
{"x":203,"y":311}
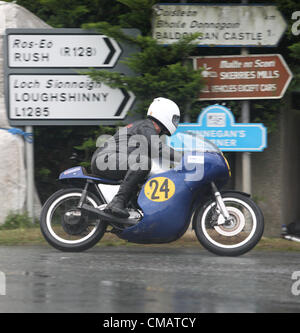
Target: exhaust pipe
{"x":108,"y":217}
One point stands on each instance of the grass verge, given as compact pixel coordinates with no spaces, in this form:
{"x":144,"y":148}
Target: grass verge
{"x":33,"y":236}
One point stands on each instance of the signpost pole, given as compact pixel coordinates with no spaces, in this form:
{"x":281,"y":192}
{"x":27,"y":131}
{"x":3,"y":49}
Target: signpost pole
{"x":30,"y":174}
{"x":246,"y":157}
{"x":187,"y":117}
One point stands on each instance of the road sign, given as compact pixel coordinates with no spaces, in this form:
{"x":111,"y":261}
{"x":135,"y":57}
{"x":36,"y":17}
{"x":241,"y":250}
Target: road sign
{"x":219,"y":25}
{"x":217,"y":124}
{"x":44,"y":84}
{"x":63,"y":50}
{"x":59,"y":97}
{"x":263,"y":76}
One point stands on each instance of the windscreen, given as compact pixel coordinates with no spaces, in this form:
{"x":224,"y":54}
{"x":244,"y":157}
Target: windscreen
{"x":191,"y":141}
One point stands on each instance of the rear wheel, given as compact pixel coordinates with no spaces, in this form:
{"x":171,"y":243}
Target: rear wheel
{"x":235,"y":237}
{"x":67,"y":228}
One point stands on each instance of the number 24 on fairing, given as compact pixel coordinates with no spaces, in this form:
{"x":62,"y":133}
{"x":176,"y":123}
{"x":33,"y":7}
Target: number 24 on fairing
{"x":159,"y":189}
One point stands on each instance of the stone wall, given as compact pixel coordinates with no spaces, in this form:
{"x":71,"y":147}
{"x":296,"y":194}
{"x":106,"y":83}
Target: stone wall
{"x":291,"y":166}
{"x":276,"y":173}
{"x":12,"y":166}
{"x":267,"y":182}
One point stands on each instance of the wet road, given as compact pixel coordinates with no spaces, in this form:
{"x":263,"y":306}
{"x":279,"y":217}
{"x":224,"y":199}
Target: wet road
{"x":147,"y":280}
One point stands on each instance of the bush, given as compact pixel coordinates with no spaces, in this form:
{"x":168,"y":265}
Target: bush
{"x":17,"y":221}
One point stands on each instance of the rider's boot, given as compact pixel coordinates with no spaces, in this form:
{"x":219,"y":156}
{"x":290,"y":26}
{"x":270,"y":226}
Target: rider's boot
{"x":128,"y":187}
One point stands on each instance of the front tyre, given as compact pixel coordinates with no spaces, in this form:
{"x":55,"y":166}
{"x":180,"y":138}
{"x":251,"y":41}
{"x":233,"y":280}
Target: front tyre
{"x":65,"y":227}
{"x":232,"y":238}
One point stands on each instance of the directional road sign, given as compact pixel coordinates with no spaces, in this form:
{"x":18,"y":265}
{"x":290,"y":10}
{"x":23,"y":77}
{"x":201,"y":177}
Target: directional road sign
{"x":63,"y":50}
{"x":216,"y":123}
{"x":45,"y":83}
{"x":219,"y":25}
{"x":261,"y":76}
{"x":58,"y":97}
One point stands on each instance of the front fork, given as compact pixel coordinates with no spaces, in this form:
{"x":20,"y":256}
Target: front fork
{"x":221,"y":208}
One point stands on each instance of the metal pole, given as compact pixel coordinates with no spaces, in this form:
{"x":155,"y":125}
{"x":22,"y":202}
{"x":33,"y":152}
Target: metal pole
{"x":187,"y":117}
{"x":30,"y":174}
{"x":246,"y":157}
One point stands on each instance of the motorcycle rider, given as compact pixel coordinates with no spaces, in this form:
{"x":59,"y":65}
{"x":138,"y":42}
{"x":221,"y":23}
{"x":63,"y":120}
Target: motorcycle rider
{"x":162,"y":118}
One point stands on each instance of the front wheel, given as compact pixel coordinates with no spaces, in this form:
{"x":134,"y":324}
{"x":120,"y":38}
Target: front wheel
{"x":67,"y":228}
{"x":232,"y":238}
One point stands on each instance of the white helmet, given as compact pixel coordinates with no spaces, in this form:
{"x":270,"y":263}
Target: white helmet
{"x":166,"y":112}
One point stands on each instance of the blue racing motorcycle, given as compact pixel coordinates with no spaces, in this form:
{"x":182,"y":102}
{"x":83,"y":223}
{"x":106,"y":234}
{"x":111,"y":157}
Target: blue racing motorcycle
{"x":227,"y":223}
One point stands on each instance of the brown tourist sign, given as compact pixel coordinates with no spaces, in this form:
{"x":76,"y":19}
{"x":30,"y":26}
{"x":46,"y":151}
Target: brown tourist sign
{"x":263,"y":76}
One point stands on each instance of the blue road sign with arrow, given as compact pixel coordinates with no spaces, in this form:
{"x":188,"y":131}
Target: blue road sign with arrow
{"x":217,"y":124}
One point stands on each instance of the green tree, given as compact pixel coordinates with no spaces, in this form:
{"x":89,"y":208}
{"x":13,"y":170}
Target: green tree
{"x":159,"y":71}
{"x":138,"y":15}
{"x":74,"y":13}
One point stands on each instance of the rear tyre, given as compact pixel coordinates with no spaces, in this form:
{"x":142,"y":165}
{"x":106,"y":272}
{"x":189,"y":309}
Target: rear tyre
{"x":234,"y":238}
{"x":65,"y":227}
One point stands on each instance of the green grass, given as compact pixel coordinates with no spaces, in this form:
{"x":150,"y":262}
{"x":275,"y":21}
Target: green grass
{"x":21,"y":236}
{"x":16,"y":221}
{"x":33,"y":236}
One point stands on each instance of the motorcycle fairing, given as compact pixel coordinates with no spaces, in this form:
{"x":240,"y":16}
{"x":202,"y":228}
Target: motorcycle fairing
{"x":168,"y":220}
{"x":163,"y":221}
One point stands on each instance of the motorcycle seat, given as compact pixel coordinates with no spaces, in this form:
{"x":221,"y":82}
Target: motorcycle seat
{"x":101,"y":180}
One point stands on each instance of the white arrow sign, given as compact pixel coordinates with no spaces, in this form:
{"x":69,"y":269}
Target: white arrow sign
{"x":46,"y":97}
{"x":221,"y":25}
{"x":50,"y":50}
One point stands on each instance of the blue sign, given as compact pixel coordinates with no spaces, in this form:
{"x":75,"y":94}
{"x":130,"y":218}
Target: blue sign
{"x":217,"y":124}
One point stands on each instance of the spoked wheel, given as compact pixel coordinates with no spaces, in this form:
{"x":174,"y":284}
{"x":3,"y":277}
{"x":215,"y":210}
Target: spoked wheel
{"x":235,"y":237}
{"x":67,"y":228}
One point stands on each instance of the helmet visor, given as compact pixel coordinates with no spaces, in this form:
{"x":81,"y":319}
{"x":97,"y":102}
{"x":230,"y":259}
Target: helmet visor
{"x":175,"y":120}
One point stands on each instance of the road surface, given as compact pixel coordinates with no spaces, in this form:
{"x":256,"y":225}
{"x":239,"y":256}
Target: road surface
{"x":147,"y":280}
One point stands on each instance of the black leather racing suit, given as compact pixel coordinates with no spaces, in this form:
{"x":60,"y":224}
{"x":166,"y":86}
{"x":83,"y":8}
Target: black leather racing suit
{"x":137,"y":142}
